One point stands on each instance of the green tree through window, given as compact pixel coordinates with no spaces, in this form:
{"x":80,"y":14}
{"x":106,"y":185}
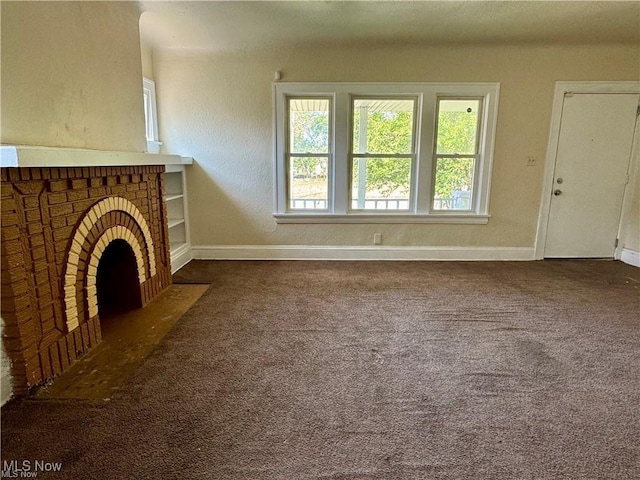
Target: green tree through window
{"x":387,"y":132}
{"x":457,"y":130}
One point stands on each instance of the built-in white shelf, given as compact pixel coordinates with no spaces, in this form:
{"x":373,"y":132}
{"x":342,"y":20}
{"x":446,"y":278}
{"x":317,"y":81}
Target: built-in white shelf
{"x":178,"y":219}
{"x":170,"y":198}
{"x":178,"y":247}
{"x":174,"y":222}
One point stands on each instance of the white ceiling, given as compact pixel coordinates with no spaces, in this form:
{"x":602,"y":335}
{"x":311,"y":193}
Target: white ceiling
{"x":239,"y":25}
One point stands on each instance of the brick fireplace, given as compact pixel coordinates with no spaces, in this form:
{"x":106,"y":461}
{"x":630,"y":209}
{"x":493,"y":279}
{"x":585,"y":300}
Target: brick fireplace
{"x":58,"y":226}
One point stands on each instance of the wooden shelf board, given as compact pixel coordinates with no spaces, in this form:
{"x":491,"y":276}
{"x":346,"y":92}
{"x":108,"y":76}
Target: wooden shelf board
{"x":173,"y":196}
{"x":174,"y":222}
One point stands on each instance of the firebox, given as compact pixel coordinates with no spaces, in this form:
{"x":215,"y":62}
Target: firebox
{"x":117,"y":280}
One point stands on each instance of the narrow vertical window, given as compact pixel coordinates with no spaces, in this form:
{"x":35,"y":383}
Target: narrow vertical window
{"x":308,"y":153}
{"x":383,"y":152}
{"x":150,"y":115}
{"x":457,"y":155}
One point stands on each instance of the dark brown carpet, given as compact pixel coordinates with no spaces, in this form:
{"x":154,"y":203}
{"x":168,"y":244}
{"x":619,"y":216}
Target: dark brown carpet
{"x":373,"y":370}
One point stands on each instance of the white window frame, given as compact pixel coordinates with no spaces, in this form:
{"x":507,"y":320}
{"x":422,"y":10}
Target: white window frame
{"x":364,"y":155}
{"x":289,"y":155}
{"x":423,"y":171}
{"x":151,"y":115}
{"x":476,"y":156}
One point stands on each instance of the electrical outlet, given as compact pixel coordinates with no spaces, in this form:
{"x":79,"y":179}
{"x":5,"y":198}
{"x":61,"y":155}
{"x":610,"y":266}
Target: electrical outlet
{"x":531,"y":161}
{"x":377,"y":238}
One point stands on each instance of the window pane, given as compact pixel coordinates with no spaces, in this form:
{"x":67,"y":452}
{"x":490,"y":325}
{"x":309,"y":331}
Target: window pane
{"x":381,"y":183}
{"x":454,"y":184}
{"x":147,"y":114}
{"x":308,"y":183}
{"x":309,"y":125}
{"x":457,"y":126}
{"x":382,"y":126}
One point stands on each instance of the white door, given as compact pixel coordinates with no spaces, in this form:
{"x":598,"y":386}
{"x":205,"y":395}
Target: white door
{"x":592,"y":161}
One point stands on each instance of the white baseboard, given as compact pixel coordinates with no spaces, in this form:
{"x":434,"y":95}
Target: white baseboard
{"x":631,"y":257}
{"x":314,"y":252}
{"x":180,"y":257}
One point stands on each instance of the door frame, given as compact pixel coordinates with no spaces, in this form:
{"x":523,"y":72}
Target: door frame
{"x":562,"y":88}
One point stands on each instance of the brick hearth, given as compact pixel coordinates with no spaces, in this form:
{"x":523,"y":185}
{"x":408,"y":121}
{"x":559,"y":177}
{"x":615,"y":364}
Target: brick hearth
{"x":56,"y":223}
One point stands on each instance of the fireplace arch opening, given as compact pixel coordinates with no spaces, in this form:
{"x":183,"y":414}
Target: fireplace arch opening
{"x":117,"y":284}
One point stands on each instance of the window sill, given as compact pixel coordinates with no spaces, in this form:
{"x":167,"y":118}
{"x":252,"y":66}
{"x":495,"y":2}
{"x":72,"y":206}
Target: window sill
{"x":471,"y":219}
{"x":153,"y":146}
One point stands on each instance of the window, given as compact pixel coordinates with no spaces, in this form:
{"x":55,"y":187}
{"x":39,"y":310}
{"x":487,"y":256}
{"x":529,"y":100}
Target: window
{"x":392,"y":153}
{"x":456,"y":153}
{"x":308,"y":148}
{"x":150,"y":115}
{"x":382,"y":153}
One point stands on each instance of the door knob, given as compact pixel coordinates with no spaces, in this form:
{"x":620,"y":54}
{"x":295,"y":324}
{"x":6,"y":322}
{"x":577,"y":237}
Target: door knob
{"x":557,"y":192}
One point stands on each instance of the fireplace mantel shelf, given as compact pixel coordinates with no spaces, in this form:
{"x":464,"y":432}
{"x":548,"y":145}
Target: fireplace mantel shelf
{"x":32,"y":156}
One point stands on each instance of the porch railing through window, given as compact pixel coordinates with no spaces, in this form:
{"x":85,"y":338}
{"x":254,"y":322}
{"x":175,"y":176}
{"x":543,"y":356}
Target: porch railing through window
{"x":455,"y":203}
{"x":372,"y":204}
{"x":308,"y":204}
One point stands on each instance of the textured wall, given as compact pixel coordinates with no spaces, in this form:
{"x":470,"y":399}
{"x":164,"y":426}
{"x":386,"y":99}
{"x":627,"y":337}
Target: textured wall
{"x":71,"y":75}
{"x":146,"y":56}
{"x":218,"y":108}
